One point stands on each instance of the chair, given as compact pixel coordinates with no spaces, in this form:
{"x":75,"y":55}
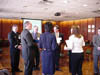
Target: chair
{"x":88,"y":53}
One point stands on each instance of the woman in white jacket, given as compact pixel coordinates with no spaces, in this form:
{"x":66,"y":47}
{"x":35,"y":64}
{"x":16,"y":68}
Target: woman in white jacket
{"x":76,"y":45}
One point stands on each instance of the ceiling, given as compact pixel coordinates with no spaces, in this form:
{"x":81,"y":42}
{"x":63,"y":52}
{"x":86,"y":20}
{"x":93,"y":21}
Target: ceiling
{"x":46,"y":9}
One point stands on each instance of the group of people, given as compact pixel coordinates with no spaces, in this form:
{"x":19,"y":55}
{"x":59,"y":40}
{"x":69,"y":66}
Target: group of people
{"x":31,"y":44}
{"x":50,"y":46}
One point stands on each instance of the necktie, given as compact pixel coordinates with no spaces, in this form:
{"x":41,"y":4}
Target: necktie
{"x":35,"y":36}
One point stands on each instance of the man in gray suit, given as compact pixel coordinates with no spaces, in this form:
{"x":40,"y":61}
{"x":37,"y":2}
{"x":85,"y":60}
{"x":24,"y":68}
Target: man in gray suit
{"x":28,"y":45}
{"x":96,"y":51}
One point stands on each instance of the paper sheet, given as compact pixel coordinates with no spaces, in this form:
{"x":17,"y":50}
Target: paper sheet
{"x":69,"y":44}
{"x":59,"y":40}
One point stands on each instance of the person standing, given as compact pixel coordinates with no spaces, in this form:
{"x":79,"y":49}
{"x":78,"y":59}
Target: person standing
{"x":96,"y":51}
{"x":15,"y":46}
{"x":36,"y":37}
{"x":60,"y":40}
{"x":48,"y":46}
{"x":28,"y":46}
{"x":76,"y":43}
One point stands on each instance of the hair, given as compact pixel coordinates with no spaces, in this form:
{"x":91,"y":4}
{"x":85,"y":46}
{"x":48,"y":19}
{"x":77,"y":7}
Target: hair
{"x":48,"y":27}
{"x":35,"y":26}
{"x":14,"y":25}
{"x":76,"y":31}
{"x":26,"y":23}
{"x":56,"y":26}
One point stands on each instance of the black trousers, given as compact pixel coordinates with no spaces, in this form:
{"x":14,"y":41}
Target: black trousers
{"x":36,"y":57}
{"x":70,"y":61}
{"x":76,"y":63}
{"x":15,"y":57}
{"x":57,"y":57}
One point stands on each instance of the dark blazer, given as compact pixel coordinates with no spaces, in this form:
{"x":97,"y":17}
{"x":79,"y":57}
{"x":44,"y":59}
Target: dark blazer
{"x":27,"y":45}
{"x":96,"y":43}
{"x":62,"y":41}
{"x":14,"y":41}
{"x":62,"y":36}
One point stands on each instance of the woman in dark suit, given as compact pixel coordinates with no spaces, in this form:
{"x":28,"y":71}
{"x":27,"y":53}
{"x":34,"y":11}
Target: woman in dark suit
{"x":48,"y":46}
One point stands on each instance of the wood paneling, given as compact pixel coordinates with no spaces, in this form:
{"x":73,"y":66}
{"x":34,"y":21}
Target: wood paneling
{"x":77,"y":22}
{"x":97,"y":20}
{"x":0,"y":29}
{"x":20,"y":25}
{"x":84,"y":28}
{"x":91,"y":22}
{"x":65,"y":26}
{"x":5,"y":27}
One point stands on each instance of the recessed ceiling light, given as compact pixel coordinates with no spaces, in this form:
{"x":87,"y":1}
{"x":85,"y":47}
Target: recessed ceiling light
{"x":66,"y":1}
{"x":85,"y":5}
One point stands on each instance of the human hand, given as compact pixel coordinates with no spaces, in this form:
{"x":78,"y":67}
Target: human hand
{"x":20,"y":47}
{"x":98,"y":48}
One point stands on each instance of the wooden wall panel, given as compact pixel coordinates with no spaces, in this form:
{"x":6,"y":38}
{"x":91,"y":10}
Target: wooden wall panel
{"x":64,"y":29}
{"x":43,"y":22}
{"x":6,"y":25}
{"x":91,"y":22}
{"x":84,"y":28}
{"x":71,"y":23}
{"x":20,"y":26}
{"x":65,"y":26}
{"x":97,"y":22}
{"x":0,"y":29}
{"x":77,"y":22}
{"x":68,"y":29}
{"x":15,"y":22}
{"x":6,"y":28}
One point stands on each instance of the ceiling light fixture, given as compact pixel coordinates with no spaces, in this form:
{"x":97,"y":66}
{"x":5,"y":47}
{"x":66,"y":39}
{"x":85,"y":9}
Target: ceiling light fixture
{"x":85,"y":5}
{"x":66,"y":1}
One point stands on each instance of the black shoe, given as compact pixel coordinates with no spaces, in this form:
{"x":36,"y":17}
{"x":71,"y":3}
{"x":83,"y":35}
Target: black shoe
{"x":96,"y":74}
{"x":37,"y":68}
{"x":18,"y":70}
{"x":58,"y":69}
{"x":13,"y":72}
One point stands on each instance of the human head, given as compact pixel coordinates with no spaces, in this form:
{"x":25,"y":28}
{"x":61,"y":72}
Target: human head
{"x":35,"y":29}
{"x":15,"y":28}
{"x":56,"y":28}
{"x":75,"y":30}
{"x":98,"y":31}
{"x":28,"y":25}
{"x":48,"y":27}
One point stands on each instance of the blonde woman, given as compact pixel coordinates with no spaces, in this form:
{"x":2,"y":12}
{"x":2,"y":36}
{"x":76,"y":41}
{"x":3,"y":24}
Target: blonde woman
{"x":76,"y":45}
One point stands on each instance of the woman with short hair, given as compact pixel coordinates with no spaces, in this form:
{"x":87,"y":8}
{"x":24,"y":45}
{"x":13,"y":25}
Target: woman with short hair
{"x":48,"y":46}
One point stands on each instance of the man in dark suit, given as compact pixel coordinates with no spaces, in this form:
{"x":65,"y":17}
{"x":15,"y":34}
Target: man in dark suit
{"x":96,"y":52}
{"x":60,"y":40}
{"x":36,"y":37}
{"x":28,"y":46}
{"x":15,"y":46}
